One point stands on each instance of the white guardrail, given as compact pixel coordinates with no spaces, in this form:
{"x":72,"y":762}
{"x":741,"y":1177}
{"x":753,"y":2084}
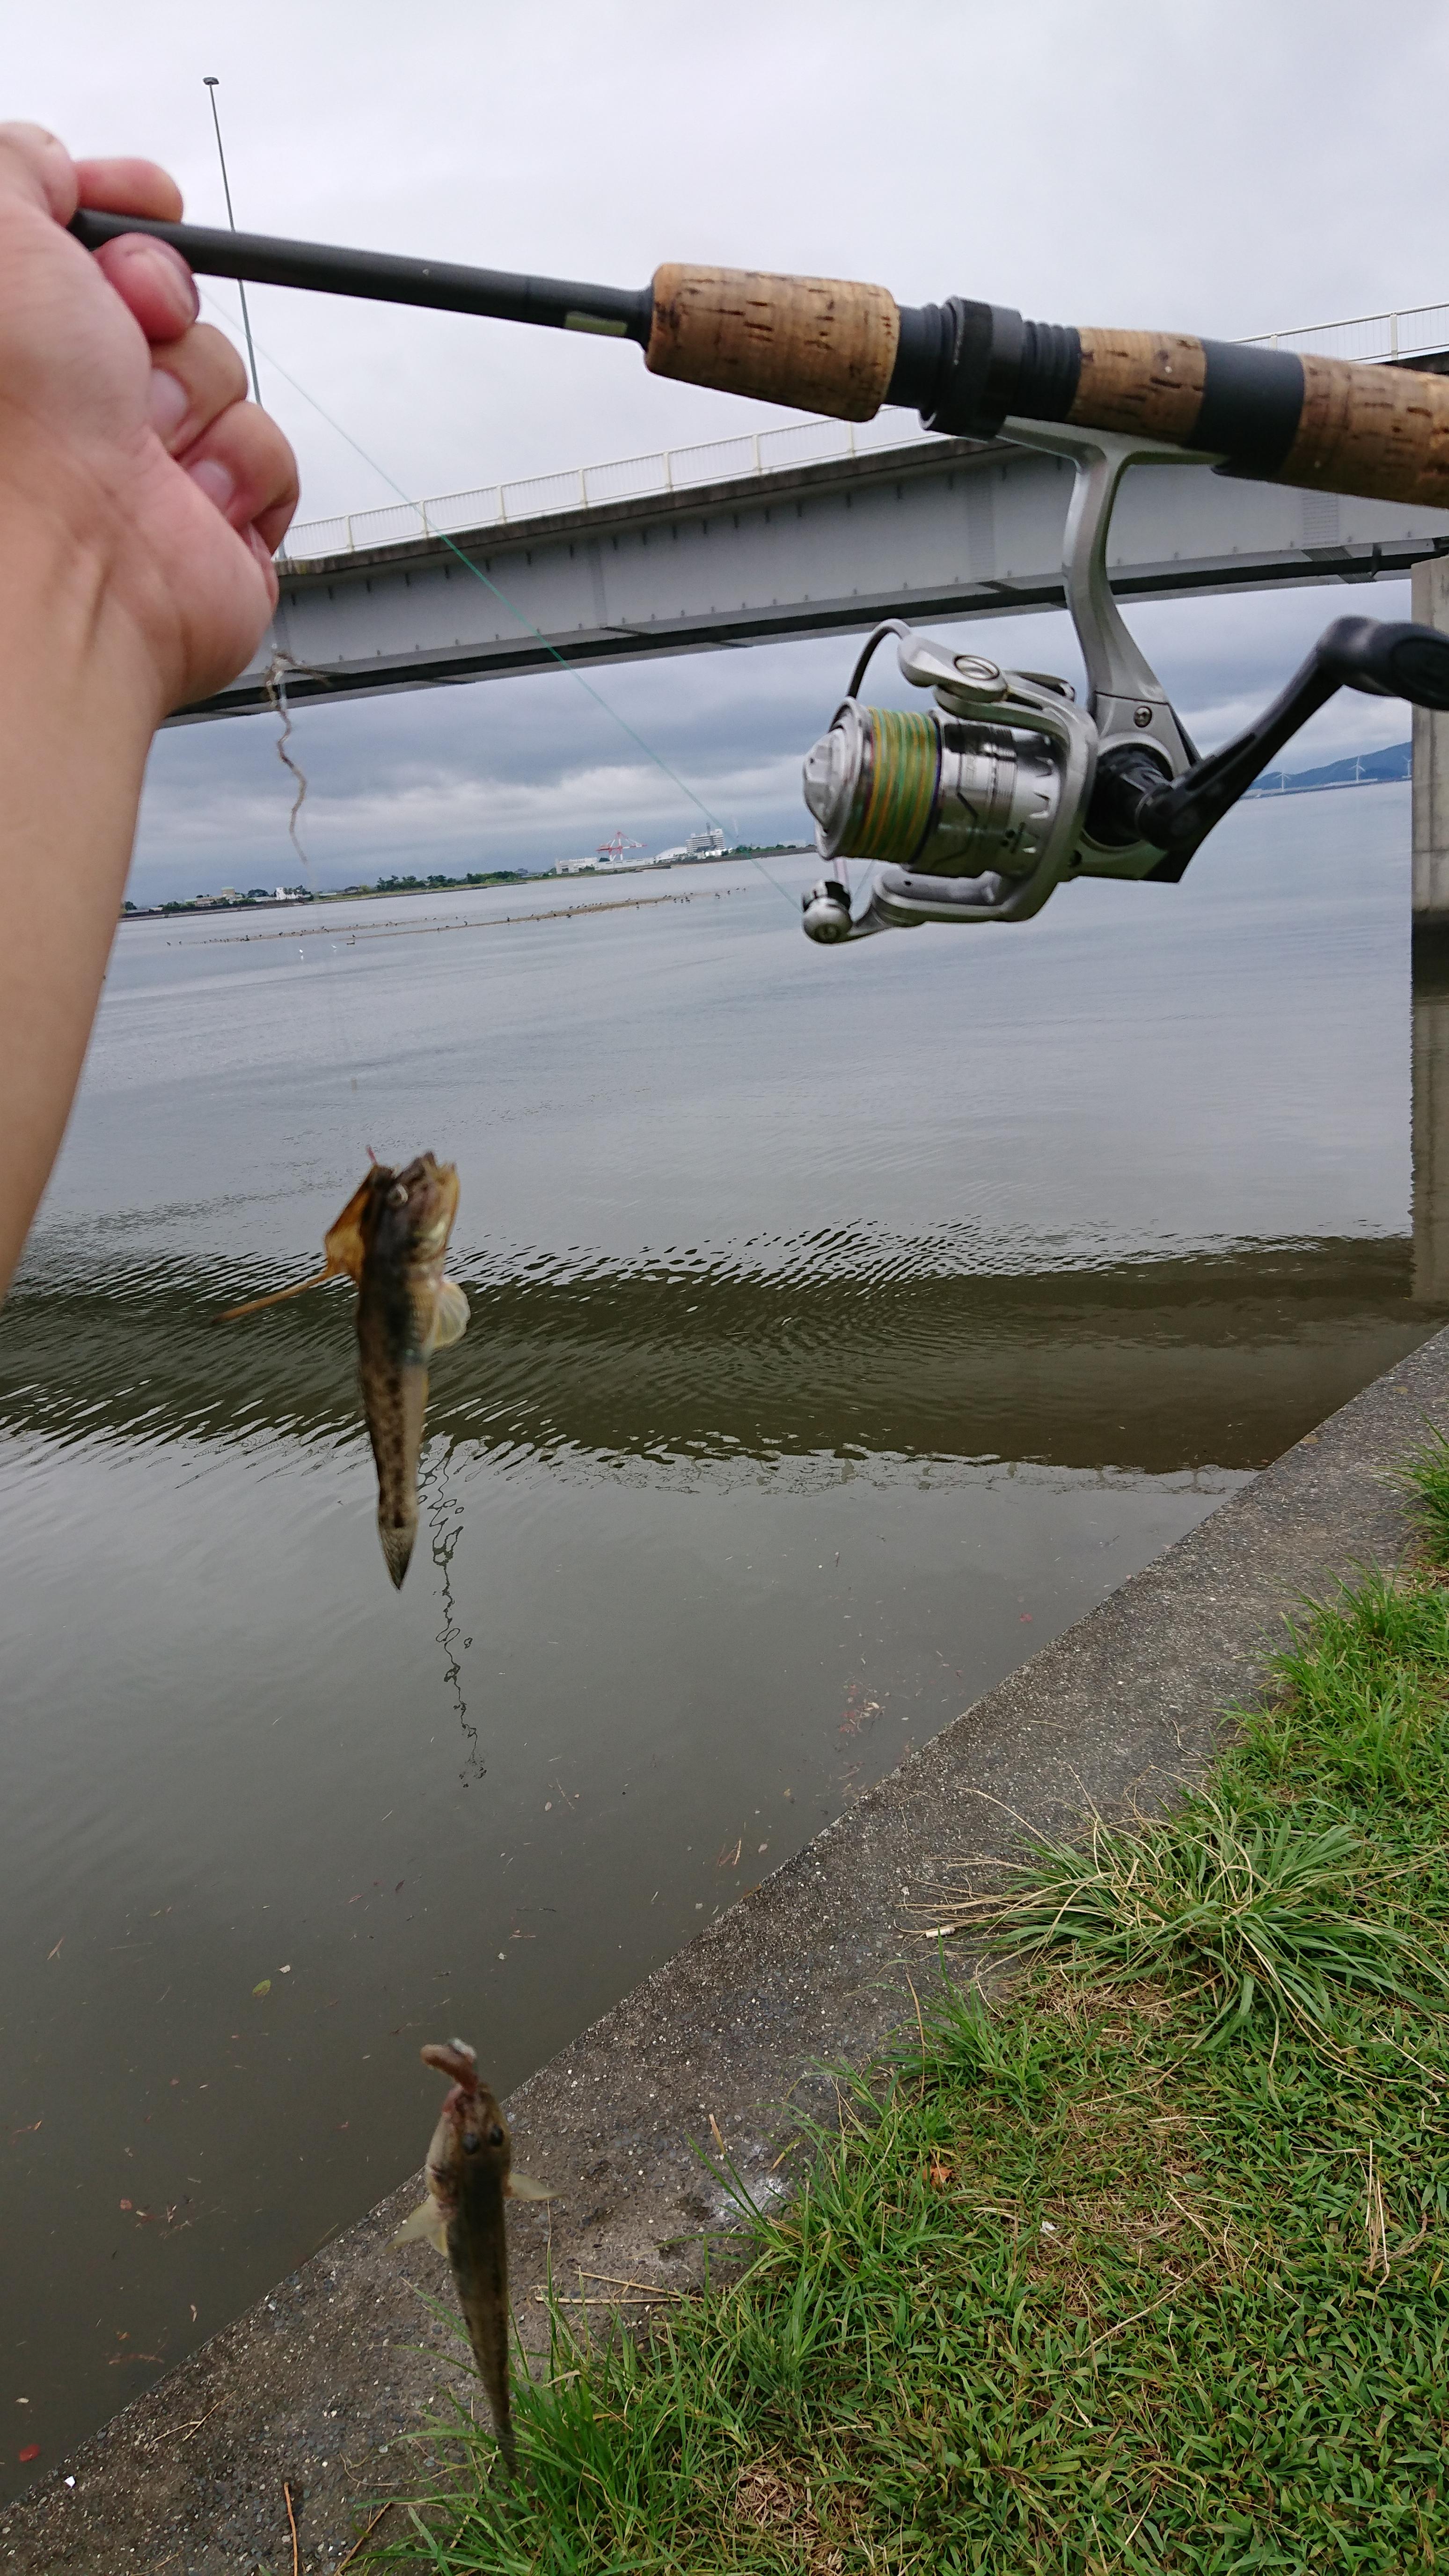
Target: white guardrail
{"x":1368,"y":337}
{"x":668,"y":469}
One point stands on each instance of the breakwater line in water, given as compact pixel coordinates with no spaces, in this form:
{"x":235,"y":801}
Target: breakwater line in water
{"x":504,"y":921}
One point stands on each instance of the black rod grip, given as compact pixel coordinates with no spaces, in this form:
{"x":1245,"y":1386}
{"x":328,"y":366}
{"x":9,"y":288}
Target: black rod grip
{"x":556,"y":303}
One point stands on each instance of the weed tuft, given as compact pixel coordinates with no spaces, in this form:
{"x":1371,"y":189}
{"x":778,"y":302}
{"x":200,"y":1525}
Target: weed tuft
{"x":1425,"y":1477}
{"x":1268,"y":1914}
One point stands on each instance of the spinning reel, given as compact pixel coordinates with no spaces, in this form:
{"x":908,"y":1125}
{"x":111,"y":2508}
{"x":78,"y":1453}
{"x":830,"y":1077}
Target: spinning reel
{"x":977,"y":808}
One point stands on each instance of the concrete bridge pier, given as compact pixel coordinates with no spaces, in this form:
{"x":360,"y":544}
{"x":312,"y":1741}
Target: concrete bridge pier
{"x":1431,"y":1107}
{"x":1431,"y":964}
{"x":1430,"y":593}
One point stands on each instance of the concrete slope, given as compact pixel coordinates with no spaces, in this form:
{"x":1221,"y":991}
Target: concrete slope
{"x":314,"y":2385}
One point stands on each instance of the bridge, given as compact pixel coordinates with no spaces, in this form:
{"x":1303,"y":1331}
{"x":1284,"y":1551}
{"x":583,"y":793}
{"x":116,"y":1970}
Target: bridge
{"x":813,"y":528}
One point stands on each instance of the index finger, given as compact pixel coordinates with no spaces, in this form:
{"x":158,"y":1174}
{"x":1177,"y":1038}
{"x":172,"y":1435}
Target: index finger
{"x":129,"y":188}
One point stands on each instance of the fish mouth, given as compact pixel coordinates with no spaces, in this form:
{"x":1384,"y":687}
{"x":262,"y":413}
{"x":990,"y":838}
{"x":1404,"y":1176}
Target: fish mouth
{"x":455,"y":2059}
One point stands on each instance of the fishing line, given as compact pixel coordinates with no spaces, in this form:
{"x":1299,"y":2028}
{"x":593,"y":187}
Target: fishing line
{"x":503,"y":599}
{"x":274,"y":681}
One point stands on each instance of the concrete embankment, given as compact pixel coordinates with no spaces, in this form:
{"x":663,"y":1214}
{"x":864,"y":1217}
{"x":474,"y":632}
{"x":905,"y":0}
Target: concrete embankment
{"x":314,"y":2386}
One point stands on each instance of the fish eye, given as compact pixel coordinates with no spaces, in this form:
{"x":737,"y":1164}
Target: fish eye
{"x":397,"y":1196}
{"x":471,"y":2142}
{"x":495,"y":2137}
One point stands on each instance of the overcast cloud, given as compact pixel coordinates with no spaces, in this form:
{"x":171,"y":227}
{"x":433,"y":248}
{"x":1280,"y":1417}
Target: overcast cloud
{"x":1226,"y":168}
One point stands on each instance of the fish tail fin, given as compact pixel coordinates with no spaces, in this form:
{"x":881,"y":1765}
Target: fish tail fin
{"x":397,"y":1546}
{"x":523,"y":2187}
{"x":278,"y":1296}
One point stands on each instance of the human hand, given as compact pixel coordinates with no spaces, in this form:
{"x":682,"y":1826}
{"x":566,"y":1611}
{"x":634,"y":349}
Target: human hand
{"x":125,"y":435}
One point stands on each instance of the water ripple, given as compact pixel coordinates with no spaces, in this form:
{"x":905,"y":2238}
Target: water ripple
{"x":834,"y":1343}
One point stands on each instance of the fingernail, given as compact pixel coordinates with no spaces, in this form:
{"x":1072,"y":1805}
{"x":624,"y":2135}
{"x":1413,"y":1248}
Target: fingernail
{"x":167,"y":269}
{"x":169,"y":402}
{"x":214,"y":479}
{"x":183,"y":284}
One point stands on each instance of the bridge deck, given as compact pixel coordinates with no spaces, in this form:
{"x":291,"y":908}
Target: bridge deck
{"x":936,"y":530}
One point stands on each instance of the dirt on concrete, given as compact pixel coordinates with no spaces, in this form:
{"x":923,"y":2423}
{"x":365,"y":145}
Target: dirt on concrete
{"x":315,"y":2388}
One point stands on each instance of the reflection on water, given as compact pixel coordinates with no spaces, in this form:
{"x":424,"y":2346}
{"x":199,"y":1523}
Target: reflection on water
{"x":1157,"y":1365}
{"x":843,"y":1326}
{"x":444,"y":1521}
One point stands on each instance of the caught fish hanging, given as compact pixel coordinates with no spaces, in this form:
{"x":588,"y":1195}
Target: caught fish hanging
{"x":392,"y":1241}
{"x":469,"y":2176}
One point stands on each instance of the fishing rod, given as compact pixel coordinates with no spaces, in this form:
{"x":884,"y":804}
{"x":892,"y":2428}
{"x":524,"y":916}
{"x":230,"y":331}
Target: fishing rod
{"x":978,"y":807}
{"x":831,"y":345}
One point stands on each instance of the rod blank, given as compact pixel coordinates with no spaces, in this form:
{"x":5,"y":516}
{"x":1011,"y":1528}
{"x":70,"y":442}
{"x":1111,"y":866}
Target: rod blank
{"x":557,"y":303}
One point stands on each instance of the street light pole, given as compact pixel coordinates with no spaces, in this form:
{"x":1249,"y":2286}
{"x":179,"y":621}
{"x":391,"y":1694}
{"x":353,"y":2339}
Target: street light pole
{"x":210,"y":80}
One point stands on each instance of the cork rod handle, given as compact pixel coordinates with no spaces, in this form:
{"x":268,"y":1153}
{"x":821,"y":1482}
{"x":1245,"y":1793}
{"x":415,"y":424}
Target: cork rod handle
{"x":819,"y":342}
{"x":1379,"y":431}
{"x":828,"y":345}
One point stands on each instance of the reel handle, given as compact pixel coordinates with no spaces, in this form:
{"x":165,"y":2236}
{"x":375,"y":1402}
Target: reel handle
{"x":1130,"y":803}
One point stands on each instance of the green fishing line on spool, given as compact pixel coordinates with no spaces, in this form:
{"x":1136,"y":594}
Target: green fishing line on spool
{"x":894,"y":802}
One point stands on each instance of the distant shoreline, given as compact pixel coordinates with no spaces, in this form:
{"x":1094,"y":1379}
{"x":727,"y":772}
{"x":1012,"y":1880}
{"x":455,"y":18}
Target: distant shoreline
{"x":208,"y":906}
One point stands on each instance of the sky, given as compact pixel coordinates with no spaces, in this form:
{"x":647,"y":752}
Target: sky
{"x":1220,"y":166}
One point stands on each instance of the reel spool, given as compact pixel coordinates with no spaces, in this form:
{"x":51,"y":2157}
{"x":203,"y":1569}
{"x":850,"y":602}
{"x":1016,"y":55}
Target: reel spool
{"x":931,"y":791}
{"x":970,"y":809}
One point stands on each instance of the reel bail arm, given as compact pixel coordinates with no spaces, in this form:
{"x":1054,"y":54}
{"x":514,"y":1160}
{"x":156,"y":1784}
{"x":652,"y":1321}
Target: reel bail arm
{"x":1383,"y":660}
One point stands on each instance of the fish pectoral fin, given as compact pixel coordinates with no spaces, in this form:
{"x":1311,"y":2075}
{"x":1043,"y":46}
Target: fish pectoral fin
{"x":520,"y":2187}
{"x":343,"y":1242}
{"x":254,"y":1305}
{"x":427,"y":2225}
{"x":450,"y":1321}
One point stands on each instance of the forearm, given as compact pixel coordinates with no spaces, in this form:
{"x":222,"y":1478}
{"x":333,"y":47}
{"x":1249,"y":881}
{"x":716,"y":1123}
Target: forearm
{"x":141,"y":497}
{"x":78,"y":706}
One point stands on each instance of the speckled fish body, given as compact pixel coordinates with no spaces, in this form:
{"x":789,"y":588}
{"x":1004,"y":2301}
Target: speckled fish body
{"x":469,"y":2176}
{"x":406,"y":1310}
{"x":392,"y":1240}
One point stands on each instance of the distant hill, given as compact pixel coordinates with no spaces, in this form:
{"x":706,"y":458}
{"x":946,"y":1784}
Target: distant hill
{"x":1361,"y":769}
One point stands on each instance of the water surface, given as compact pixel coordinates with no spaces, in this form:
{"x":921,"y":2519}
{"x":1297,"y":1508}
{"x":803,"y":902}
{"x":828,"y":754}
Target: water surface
{"x":845,"y":1324}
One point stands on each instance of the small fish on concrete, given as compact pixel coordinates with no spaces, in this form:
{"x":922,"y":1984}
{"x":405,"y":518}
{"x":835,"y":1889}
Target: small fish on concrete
{"x":469,"y":2173}
{"x":392,"y":1241}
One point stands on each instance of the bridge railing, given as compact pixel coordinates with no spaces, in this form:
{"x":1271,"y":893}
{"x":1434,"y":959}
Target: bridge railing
{"x":1367,"y":336}
{"x":622,"y":478}
{"x":1410,"y":333}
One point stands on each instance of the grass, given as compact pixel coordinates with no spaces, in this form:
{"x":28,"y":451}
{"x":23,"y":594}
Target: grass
{"x":1140,"y":2269}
